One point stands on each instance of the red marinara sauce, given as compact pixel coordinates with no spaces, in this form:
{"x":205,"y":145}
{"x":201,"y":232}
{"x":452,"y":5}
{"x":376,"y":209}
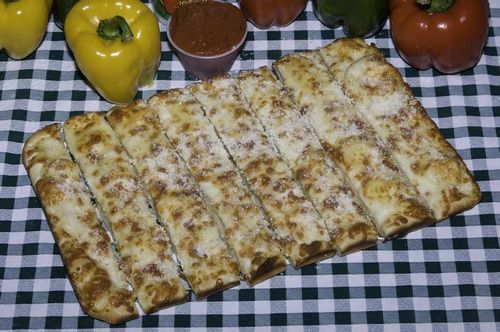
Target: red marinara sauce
{"x":207,"y":28}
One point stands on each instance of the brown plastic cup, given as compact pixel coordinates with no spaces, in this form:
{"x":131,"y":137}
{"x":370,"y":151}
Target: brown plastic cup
{"x":206,"y":66}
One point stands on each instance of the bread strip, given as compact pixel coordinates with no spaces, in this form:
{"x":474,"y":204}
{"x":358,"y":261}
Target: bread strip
{"x":84,"y":245}
{"x":295,"y":221}
{"x":245,"y":229}
{"x":322,"y":181}
{"x":352,"y":143}
{"x":388,"y":104}
{"x":141,"y":242}
{"x":205,"y":258}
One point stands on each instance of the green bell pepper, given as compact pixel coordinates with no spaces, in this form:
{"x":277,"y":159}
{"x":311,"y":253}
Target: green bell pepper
{"x":359,"y":18}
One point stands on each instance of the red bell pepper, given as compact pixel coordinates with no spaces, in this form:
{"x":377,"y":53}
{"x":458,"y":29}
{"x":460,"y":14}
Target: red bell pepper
{"x":448,"y":35}
{"x":170,"y":5}
{"x":266,"y":13}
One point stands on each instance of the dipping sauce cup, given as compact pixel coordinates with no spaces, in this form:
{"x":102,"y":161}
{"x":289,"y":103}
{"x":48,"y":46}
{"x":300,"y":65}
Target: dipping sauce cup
{"x":207,"y":36}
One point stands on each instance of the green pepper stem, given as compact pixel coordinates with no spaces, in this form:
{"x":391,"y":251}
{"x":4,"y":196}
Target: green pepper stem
{"x":436,"y":6}
{"x":112,"y":28}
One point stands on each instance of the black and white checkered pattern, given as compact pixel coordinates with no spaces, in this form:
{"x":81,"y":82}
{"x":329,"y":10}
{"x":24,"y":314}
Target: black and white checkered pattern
{"x":444,"y":277}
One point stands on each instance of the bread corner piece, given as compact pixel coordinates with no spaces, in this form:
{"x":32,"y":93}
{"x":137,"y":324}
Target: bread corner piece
{"x":84,"y":245}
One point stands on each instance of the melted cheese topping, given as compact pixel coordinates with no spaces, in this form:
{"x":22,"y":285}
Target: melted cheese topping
{"x":424,"y":155}
{"x":84,"y":245}
{"x":321,"y":179}
{"x":353,"y":145}
{"x":196,"y":142}
{"x":351,"y":98}
{"x":142,"y":243}
{"x":204,"y":256}
{"x":292,"y":215}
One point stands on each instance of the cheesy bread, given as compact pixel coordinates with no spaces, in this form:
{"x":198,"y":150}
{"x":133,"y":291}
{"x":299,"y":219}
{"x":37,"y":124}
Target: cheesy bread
{"x":323,"y":182}
{"x":245,"y":228}
{"x":293,"y":217}
{"x":382,"y":97}
{"x":141,"y":242}
{"x":235,"y":175}
{"x":352,"y":143}
{"x":204,"y":256}
{"x":83,"y":243}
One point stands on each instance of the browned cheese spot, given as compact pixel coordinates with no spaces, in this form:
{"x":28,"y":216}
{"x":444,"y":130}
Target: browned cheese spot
{"x":359,"y":229}
{"x":152,"y":269}
{"x":122,"y":298}
{"x":138,"y":130}
{"x":309,"y":249}
{"x":94,"y":157}
{"x":330,"y":203}
{"x":415,"y":209}
{"x":167,"y":294}
{"x":117,"y":114}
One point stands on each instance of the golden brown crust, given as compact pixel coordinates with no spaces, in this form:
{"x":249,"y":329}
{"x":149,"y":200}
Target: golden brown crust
{"x":93,"y":284}
{"x":36,"y":151}
{"x":313,"y":252}
{"x":356,"y":237}
{"x":166,"y":294}
{"x":84,"y":245}
{"x":219,"y":286}
{"x":265,"y":268}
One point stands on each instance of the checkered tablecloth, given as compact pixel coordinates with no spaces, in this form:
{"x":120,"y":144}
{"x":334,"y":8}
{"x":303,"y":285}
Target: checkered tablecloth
{"x":444,"y":278}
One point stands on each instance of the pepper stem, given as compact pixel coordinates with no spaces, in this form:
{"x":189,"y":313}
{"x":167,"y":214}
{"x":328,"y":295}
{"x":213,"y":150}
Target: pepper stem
{"x":436,"y":6}
{"x":112,"y":28}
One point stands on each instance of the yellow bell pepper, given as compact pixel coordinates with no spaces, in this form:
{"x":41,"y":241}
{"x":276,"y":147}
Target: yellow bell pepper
{"x":116,"y":45}
{"x":22,"y":25}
